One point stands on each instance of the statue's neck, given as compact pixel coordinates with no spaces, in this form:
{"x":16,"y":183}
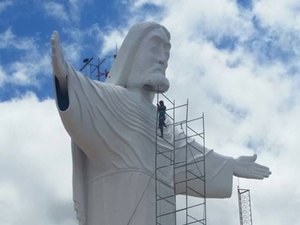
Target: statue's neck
{"x":144,"y":94}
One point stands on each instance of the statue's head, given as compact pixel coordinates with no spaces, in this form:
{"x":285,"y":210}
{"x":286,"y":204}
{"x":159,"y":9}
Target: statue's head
{"x":142,"y":59}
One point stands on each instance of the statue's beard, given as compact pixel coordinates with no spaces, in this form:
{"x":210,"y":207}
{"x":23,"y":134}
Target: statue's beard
{"x":156,"y":83}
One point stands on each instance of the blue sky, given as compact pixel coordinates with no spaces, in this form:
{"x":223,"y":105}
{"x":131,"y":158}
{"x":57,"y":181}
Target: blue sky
{"x":236,"y":60}
{"x":80,"y":22}
{"x":34,"y":21}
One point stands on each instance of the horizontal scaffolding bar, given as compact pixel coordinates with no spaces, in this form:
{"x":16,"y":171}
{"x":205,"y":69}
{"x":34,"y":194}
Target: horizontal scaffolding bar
{"x":198,"y":150}
{"x":190,"y":179}
{"x":195,"y":205}
{"x":164,"y":183}
{"x":183,"y":164}
{"x":197,"y":192}
{"x":190,"y":163}
{"x":195,"y":220}
{"x":201,"y":177}
{"x":176,"y":107}
{"x":167,"y":177}
{"x":195,"y":132}
{"x":181,"y":122}
{"x":171,"y":144}
{"x":163,"y":167}
{"x":166,"y":214}
{"x":190,"y":136}
{"x":165,"y":199}
{"x":198,"y":221}
{"x":167,"y":151}
{"x":167,"y":157}
{"x":187,"y":180}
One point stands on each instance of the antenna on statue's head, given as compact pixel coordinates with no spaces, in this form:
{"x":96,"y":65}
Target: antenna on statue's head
{"x":86,"y":62}
{"x":98,"y":68}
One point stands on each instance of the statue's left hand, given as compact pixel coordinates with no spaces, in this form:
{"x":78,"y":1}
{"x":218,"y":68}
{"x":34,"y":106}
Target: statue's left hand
{"x":245,"y":166}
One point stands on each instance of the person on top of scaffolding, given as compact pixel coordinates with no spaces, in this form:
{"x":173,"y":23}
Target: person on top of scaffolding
{"x":161,"y":109}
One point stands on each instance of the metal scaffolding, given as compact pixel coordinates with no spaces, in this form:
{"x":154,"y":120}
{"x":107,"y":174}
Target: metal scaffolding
{"x":244,"y":206}
{"x":179,"y":167}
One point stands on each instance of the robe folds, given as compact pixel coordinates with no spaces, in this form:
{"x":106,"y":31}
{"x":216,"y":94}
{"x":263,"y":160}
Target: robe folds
{"x":113,"y":132}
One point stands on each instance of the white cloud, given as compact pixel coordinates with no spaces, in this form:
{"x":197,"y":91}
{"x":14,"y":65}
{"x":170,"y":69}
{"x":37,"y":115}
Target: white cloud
{"x":35,"y":155}
{"x":9,"y":40}
{"x":69,"y":13}
{"x":26,"y":72}
{"x":211,"y":19}
{"x":111,"y":40}
{"x":33,"y":61}
{"x":75,"y":9}
{"x":281,"y":23}
{"x":57,"y":11}
{"x":284,"y":14}
{"x":5,"y":4}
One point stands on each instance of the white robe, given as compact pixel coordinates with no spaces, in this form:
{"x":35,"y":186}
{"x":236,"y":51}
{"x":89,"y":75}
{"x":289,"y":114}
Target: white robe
{"x":113,"y":146}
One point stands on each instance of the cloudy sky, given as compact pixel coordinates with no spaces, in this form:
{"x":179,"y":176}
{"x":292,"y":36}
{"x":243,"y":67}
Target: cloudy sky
{"x":236,"y":60}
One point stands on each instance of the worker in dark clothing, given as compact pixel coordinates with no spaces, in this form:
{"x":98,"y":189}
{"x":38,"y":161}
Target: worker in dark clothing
{"x":161,"y":109}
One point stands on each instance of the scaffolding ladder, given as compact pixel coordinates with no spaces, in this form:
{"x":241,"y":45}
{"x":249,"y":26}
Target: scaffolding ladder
{"x":179,"y":166}
{"x":244,"y":206}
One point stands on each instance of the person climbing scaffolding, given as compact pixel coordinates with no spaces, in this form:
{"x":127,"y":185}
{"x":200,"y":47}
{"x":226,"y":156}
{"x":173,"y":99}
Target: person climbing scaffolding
{"x":161,"y":109}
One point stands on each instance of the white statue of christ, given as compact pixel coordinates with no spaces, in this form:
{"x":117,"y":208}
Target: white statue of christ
{"x":112,"y":126}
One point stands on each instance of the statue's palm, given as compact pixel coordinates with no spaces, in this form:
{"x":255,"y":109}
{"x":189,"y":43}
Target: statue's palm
{"x":246,"y":167}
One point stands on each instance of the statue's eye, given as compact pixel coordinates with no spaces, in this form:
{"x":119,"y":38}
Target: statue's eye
{"x":154,"y":49}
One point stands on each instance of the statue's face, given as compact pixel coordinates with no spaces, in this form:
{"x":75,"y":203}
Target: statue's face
{"x":150,"y":63}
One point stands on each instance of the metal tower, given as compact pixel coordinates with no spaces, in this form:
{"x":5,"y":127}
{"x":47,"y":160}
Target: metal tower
{"x":176,"y":155}
{"x":244,"y":206}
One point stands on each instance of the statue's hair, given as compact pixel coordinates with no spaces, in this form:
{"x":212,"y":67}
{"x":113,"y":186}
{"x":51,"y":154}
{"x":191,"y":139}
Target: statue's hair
{"x":122,"y":66}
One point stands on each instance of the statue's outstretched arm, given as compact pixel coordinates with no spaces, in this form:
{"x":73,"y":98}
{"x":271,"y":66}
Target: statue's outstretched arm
{"x":59,"y":64}
{"x":219,"y":172}
{"x":246,"y":167}
{"x":243,"y":166}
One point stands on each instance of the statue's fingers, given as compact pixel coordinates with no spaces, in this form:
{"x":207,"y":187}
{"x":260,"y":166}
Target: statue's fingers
{"x":261,"y":167}
{"x":262,"y":173}
{"x":55,"y":42}
{"x":259,"y":176}
{"x":58,"y":62}
{"x":262,"y":170}
{"x":57,"y":53}
{"x":55,"y":37}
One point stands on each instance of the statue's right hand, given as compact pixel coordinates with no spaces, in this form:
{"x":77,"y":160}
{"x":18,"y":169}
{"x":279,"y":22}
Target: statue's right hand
{"x":246,"y":167}
{"x":58,"y":62}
